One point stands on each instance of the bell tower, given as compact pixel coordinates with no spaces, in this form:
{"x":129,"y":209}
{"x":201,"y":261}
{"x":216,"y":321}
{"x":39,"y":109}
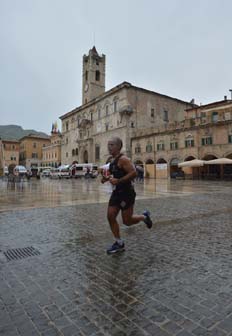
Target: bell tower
{"x":93,"y":75}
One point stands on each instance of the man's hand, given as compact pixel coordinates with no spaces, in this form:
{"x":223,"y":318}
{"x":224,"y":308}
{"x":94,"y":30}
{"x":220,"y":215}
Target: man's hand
{"x":113,"y":181}
{"x":105,"y":179}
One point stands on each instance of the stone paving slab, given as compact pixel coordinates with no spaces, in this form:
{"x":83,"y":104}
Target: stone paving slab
{"x":172,"y":280}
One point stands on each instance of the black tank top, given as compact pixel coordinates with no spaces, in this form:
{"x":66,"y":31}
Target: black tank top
{"x":118,"y":173}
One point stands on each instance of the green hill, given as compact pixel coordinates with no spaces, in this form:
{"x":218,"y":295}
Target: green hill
{"x":15,"y":132}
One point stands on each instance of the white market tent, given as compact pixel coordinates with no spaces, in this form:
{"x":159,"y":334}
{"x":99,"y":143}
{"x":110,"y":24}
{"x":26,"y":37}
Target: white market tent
{"x":192,"y":163}
{"x":200,"y":163}
{"x":220,"y":161}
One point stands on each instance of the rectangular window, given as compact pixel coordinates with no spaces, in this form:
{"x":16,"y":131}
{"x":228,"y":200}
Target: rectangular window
{"x":34,"y":155}
{"x":66,"y":125}
{"x":203,"y":114}
{"x":97,"y":153}
{"x":152,"y":113}
{"x":160,"y":147}
{"x":230,"y":138}
{"x":165,"y":115}
{"x":107,"y":110}
{"x":107,"y":127}
{"x":206,"y":141}
{"x":173,"y":145}
{"x":149,"y":148}
{"x":34,"y":145}
{"x":66,"y":154}
{"x":189,"y":143}
{"x":214,"y":117}
{"x":115,"y":106}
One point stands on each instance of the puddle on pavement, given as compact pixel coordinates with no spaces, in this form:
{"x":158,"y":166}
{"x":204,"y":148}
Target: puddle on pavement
{"x":53,"y":193}
{"x":82,"y":240}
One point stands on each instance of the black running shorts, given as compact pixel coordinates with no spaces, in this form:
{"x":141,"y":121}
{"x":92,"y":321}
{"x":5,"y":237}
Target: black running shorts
{"x":122,"y":199}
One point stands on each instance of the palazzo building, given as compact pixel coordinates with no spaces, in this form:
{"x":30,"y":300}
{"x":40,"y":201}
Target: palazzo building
{"x":10,"y":152}
{"x":158,"y":131}
{"x":205,"y":133}
{"x":30,"y":153}
{"x":121,"y":111}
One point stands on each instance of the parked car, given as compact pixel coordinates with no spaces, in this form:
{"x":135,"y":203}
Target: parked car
{"x":64,"y":171}
{"x":45,"y":173}
{"x":178,"y":174}
{"x":54,"y":173}
{"x":20,"y":171}
{"x":40,"y":171}
{"x":84,"y":170}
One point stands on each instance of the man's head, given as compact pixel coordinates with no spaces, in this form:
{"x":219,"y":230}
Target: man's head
{"x":114,"y":146}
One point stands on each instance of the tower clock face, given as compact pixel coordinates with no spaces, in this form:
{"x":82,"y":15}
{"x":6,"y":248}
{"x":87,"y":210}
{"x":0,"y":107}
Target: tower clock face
{"x":86,"y":87}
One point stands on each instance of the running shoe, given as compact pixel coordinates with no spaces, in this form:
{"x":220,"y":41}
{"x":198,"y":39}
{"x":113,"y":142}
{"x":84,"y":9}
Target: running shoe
{"x":115,"y":248}
{"x":147,"y":219}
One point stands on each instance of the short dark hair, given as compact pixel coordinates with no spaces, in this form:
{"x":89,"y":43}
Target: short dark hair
{"x":118,"y":141}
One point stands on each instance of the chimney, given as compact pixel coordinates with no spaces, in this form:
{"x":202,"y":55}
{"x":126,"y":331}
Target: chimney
{"x":225,"y":97}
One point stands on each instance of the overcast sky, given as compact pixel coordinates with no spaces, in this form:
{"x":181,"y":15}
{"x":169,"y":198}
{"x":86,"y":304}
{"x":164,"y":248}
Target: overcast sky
{"x":180,"y":48}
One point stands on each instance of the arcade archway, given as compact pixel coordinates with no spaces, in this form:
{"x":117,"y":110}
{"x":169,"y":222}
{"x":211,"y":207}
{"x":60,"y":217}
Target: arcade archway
{"x":150,"y":168}
{"x":227,"y":171}
{"x":160,"y":161}
{"x":190,"y":158}
{"x":210,"y":172}
{"x":161,"y":169}
{"x":174,"y":169}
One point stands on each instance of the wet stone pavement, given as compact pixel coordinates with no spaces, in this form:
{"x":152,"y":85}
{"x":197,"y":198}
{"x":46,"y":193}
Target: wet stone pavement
{"x":174,"y":279}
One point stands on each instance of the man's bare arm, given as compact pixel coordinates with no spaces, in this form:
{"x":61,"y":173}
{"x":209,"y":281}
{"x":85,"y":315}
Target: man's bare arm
{"x":128,"y":167}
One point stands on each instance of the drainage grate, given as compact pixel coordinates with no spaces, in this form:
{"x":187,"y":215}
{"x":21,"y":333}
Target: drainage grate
{"x":19,"y":253}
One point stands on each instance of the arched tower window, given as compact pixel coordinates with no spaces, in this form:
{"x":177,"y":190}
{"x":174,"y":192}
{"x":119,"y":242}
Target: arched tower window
{"x":97,"y":75}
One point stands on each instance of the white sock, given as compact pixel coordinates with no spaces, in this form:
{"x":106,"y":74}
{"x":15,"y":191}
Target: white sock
{"x":119,"y":241}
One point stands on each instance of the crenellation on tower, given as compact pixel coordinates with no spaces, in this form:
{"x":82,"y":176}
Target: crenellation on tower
{"x":93,"y":75}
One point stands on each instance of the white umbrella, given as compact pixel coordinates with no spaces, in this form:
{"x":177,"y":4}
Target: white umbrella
{"x":219,"y":161}
{"x":192,"y":163}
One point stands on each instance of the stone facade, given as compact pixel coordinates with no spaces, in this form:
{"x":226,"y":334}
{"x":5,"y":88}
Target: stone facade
{"x":93,"y":75}
{"x":205,"y":133}
{"x":121,"y":111}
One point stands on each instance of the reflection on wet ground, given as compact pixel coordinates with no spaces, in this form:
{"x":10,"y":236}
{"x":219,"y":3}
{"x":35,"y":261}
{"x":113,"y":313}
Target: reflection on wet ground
{"x":174,"y":279}
{"x":53,"y":193}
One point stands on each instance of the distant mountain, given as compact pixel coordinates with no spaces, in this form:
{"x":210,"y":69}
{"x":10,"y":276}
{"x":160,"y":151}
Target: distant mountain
{"x":15,"y":132}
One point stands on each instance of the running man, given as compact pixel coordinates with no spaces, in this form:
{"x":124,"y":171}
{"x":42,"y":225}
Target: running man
{"x":122,"y":172}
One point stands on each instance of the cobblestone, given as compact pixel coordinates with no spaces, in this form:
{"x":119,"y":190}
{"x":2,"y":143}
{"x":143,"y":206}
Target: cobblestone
{"x":172,"y":280}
